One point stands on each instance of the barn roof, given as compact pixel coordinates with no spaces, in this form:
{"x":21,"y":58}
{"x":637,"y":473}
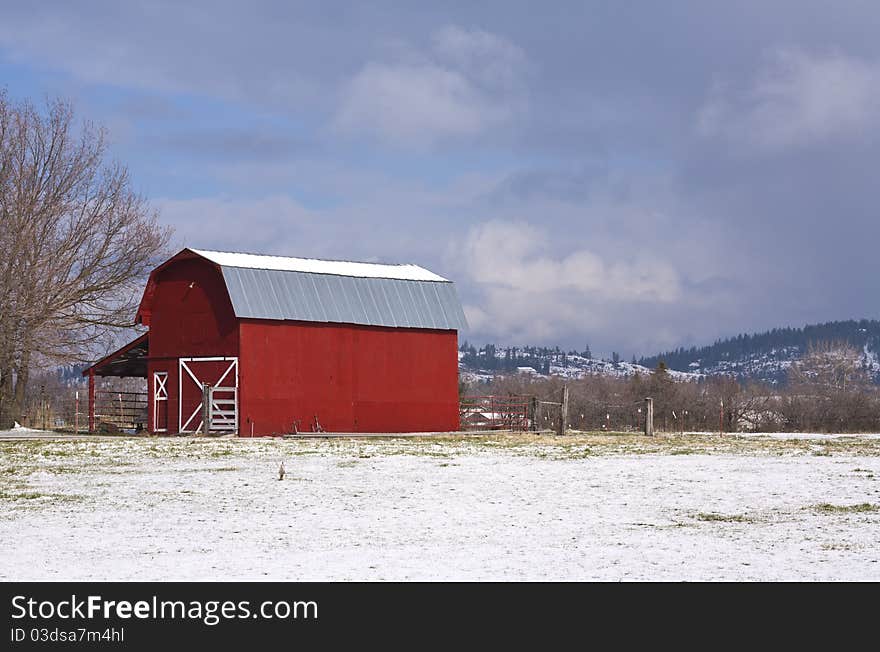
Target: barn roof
{"x":316,"y":266}
{"x":305,"y":289}
{"x":128,"y":361}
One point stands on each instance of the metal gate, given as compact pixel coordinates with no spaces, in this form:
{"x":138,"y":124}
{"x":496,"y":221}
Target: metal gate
{"x":494,"y":413}
{"x":223,"y":409}
{"x":216,"y":378}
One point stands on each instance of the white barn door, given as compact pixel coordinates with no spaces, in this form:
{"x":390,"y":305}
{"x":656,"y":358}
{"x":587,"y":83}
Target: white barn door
{"x":160,"y":401}
{"x":221,"y":377}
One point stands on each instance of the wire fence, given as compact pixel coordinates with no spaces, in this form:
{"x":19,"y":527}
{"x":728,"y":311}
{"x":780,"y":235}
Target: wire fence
{"x":582,"y":414}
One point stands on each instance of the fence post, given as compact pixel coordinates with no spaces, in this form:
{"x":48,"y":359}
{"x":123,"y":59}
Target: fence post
{"x":91,"y":400}
{"x":533,"y":412}
{"x":206,"y":407}
{"x":649,"y":417}
{"x":563,"y":412}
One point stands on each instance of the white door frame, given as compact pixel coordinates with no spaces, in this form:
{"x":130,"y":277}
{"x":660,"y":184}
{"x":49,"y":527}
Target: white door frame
{"x":160,"y":394}
{"x":183,"y":366}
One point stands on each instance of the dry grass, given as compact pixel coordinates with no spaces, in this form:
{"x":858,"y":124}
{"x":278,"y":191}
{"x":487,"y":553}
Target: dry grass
{"x":18,"y":459}
{"x":860,"y":508}
{"x":723,"y":518}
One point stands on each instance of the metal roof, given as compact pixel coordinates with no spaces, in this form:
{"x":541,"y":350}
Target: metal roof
{"x":337,"y":298}
{"x":338,"y":267}
{"x":128,"y":361}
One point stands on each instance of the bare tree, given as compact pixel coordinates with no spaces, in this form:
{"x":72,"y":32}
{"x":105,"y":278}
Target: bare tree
{"x":831,"y":389}
{"x":75,"y":242}
{"x":830,"y":366}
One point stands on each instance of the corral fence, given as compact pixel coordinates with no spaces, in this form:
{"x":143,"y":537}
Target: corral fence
{"x":513,"y":412}
{"x":122,"y":410}
{"x":521,"y":413}
{"x":68,"y":411}
{"x":495,"y":413}
{"x":609,"y":416}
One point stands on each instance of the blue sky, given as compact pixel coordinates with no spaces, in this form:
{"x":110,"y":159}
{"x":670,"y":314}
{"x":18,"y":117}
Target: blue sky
{"x":635,"y":176}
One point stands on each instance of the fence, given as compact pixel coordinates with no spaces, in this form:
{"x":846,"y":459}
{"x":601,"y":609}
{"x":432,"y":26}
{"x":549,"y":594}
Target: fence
{"x":598,"y":416}
{"x":520,"y":413}
{"x":124,"y":410}
{"x":495,"y":413}
{"x":69,"y":411}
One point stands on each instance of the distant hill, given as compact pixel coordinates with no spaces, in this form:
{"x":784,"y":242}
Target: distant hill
{"x":476,"y":364}
{"x":767,"y":356}
{"x":760,"y":356}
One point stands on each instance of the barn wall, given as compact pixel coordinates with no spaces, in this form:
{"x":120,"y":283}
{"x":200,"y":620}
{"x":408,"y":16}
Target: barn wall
{"x":192,"y":321}
{"x":353,"y":378}
{"x":191,"y":316}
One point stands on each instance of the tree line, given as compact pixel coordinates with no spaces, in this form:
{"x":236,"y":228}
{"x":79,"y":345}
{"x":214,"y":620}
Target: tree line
{"x":506,"y":359}
{"x":782,"y":341}
{"x":828,"y":390}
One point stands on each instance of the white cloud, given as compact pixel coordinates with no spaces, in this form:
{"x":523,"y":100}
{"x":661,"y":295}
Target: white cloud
{"x":493,"y":60}
{"x":532,"y":294}
{"x":518,"y":256}
{"x":415,"y":103}
{"x":797,"y":99}
{"x":466,"y":83}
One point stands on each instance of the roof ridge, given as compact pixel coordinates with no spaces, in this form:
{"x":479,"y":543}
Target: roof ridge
{"x":350,"y":268}
{"x":323,"y":260}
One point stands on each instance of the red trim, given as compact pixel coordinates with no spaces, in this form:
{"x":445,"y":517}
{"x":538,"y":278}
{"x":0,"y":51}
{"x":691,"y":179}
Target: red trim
{"x":125,"y":349}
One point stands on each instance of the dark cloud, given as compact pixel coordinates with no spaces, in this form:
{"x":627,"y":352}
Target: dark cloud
{"x":571,"y":185}
{"x":701,"y":168}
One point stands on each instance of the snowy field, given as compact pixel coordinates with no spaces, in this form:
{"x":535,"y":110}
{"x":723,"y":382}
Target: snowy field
{"x":694,"y":507}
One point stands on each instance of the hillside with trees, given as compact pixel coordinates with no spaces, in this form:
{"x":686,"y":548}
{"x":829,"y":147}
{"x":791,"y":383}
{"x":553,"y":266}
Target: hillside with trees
{"x":826,"y":390}
{"x":768,"y":356}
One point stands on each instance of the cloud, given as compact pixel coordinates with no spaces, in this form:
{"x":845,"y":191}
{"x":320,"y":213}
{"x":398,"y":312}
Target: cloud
{"x":465,"y":84}
{"x":380,"y":219}
{"x":571,"y":184}
{"x":531,"y":291}
{"x":236,"y":144}
{"x":273,"y":225}
{"x":797,"y":99}
{"x":489,"y":58}
{"x":211,"y":48}
{"x":645,"y":207}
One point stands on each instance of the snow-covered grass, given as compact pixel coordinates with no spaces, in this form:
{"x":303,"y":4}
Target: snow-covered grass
{"x":811,"y":435}
{"x":604,"y":507}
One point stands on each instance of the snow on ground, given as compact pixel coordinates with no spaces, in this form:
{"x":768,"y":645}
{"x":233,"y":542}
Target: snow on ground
{"x":501,"y":508}
{"x":18,"y":428}
{"x":810,"y":435}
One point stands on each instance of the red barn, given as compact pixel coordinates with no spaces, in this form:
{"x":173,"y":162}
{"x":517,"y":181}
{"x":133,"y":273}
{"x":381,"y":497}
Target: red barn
{"x":278,"y":345}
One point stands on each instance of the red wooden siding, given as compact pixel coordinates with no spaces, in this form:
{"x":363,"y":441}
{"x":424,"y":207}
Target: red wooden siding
{"x":191,"y":315}
{"x":354,"y":378}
